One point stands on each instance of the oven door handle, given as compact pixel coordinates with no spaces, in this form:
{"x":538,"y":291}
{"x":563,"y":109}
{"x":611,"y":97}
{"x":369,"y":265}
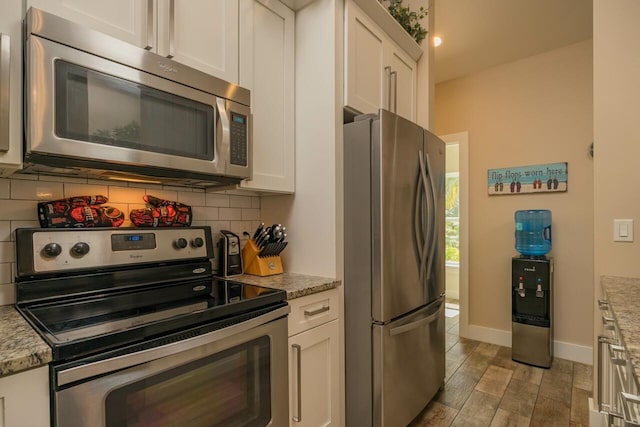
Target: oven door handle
{"x":128,"y":360}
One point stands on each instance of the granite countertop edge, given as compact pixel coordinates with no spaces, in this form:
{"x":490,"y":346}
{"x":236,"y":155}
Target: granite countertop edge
{"x":296,"y":285}
{"x":21,"y":348}
{"x":623,"y":294}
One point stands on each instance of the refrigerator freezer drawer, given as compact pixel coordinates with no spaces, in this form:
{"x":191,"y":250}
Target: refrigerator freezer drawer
{"x":408,"y":365}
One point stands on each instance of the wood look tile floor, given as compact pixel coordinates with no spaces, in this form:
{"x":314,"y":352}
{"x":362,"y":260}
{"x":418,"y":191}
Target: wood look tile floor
{"x":485,"y":388}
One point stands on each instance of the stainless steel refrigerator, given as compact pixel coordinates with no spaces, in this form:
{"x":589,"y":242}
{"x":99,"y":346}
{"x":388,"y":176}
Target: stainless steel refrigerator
{"x":394,"y":173}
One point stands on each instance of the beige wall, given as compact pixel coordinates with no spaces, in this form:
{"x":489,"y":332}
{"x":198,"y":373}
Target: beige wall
{"x":533,"y":111}
{"x":616,"y":133}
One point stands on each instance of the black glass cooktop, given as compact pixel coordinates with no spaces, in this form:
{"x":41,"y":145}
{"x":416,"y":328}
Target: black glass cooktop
{"x":85,"y":325}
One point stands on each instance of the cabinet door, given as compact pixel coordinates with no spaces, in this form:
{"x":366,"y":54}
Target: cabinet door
{"x":128,"y":20}
{"x":314,"y":378}
{"x":267,"y":69}
{"x":24,"y":398}
{"x":403,"y":83}
{"x":366,"y":80}
{"x":202,"y":34}
{"x":10,"y":87}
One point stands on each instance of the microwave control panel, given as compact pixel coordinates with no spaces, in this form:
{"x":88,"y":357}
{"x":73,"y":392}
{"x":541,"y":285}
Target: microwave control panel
{"x":238,"y":141}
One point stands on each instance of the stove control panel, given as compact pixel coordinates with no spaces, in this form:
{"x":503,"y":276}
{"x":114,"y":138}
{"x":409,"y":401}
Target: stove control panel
{"x":57,"y":250}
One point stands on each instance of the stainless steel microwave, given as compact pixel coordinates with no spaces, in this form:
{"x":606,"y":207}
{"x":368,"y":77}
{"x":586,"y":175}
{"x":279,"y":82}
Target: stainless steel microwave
{"x":98,"y":107}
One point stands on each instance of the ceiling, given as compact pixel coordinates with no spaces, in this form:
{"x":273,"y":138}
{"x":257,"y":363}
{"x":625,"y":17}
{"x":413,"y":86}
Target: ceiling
{"x":478,"y":34}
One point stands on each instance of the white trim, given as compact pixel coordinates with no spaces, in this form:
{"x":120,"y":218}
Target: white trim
{"x":462,"y":139}
{"x":561,"y":350}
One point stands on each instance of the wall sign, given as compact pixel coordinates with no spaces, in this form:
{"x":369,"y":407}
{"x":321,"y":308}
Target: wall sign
{"x":547,"y":178}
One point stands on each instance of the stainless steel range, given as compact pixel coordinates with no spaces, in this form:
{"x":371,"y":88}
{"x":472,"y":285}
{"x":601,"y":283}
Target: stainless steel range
{"x":143,"y":335}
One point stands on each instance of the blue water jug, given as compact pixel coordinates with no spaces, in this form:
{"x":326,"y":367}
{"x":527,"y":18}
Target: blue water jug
{"x":533,"y":232}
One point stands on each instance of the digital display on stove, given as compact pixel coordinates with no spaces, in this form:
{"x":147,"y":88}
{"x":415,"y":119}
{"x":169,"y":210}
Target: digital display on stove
{"x":133,"y":242}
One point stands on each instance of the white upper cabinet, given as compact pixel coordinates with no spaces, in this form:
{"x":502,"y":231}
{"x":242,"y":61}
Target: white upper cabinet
{"x":10,"y":87}
{"x":404,"y":82}
{"x":267,"y":68}
{"x":130,"y":20}
{"x":378,"y":73}
{"x":366,"y":78}
{"x":202,"y":34}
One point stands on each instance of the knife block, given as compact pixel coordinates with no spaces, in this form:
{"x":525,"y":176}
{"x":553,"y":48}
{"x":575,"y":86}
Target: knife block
{"x":259,"y":266}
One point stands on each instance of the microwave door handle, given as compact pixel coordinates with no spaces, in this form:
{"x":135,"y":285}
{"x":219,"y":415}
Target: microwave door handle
{"x":172,"y":28}
{"x":5,"y":83}
{"x":224,"y":122}
{"x":149,"y":24}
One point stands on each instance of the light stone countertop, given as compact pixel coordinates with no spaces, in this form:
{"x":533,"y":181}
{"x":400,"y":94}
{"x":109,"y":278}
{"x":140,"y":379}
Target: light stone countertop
{"x":296,"y":285}
{"x":21,"y":347}
{"x":623,"y":294}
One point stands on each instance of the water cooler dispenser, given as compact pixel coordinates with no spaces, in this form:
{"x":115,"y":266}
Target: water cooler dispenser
{"x":532,"y":290}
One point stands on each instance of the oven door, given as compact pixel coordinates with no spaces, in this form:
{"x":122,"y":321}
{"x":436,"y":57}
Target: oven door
{"x":102,"y":115}
{"x":236,"y":376}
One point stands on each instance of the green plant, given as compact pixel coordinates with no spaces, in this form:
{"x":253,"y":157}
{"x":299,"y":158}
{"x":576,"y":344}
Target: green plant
{"x":408,"y":19}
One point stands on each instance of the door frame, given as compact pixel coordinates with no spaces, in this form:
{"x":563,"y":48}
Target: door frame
{"x":462,"y":139}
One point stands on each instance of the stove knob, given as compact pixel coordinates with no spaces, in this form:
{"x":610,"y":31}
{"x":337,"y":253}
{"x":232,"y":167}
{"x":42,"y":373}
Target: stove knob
{"x":180,"y":243}
{"x":51,"y":250}
{"x":197,"y":242}
{"x":80,"y":249}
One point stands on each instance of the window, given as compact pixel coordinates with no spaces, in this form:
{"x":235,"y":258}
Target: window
{"x":452,"y":218}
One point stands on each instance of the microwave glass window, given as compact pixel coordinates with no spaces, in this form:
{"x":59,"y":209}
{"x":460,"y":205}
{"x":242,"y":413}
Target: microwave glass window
{"x":230,"y":388}
{"x":99,"y":108}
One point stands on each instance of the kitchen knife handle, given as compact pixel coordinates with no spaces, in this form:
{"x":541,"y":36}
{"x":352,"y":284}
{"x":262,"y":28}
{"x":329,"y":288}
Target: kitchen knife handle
{"x":149,"y":24}
{"x":297,"y":352}
{"x":5,"y":85}
{"x":172,"y":28}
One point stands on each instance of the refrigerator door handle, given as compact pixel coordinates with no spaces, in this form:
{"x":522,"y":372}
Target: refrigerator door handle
{"x":414,"y":325}
{"x":418,"y":219}
{"x":434,"y":210}
{"x":424,"y":257}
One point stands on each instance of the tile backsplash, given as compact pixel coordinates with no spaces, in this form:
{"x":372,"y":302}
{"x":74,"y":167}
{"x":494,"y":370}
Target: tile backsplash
{"x":20,"y":193}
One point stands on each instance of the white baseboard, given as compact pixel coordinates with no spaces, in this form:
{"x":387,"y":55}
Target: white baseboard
{"x":562,"y":350}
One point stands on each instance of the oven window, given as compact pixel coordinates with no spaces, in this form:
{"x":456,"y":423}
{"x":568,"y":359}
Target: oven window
{"x":103,"y":109}
{"x":231,"y":388}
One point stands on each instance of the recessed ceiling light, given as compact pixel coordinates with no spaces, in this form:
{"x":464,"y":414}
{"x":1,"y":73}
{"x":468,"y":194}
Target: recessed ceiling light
{"x":437,"y":41}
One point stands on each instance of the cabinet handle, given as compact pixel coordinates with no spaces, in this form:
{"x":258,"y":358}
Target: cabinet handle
{"x":394,"y":76}
{"x":172,"y":28}
{"x":297,"y":416}
{"x":317,"y":311}
{"x":5,"y":85}
{"x":149,"y":45}
{"x":387,"y":72}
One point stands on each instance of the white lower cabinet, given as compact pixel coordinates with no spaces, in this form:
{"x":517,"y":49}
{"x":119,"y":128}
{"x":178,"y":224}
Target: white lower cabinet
{"x":24,"y":399}
{"x":314,"y":361}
